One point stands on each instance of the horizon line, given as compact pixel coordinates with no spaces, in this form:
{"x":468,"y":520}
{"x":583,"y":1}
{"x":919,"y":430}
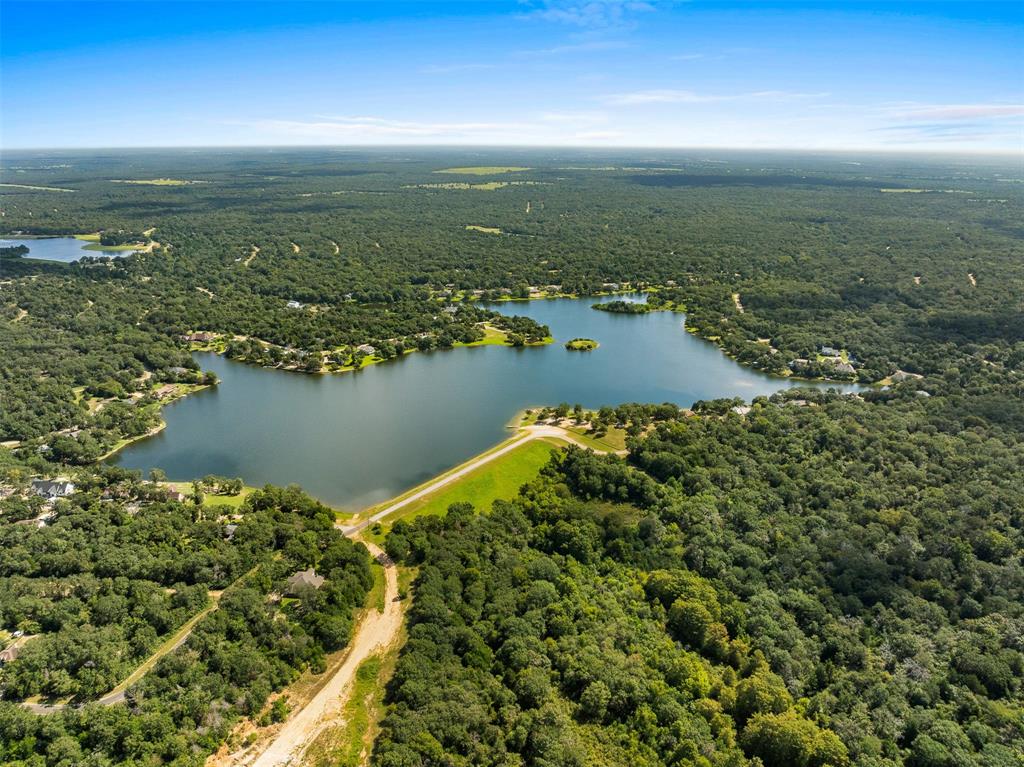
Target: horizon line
{"x":630,"y":147}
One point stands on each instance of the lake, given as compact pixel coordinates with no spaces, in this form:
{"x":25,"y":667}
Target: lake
{"x":359,"y":438}
{"x":63,"y":249}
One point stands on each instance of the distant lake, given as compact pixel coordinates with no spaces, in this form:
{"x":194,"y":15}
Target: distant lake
{"x":63,"y":249}
{"x":356,"y":439}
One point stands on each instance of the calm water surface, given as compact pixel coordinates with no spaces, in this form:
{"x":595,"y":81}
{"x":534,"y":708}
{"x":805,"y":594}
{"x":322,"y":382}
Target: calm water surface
{"x":63,"y":249}
{"x":356,"y":439}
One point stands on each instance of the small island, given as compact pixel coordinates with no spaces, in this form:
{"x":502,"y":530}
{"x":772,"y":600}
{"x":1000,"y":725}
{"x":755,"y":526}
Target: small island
{"x":624,"y":307}
{"x":581,"y":345}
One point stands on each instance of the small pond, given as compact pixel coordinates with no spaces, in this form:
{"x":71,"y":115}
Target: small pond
{"x":63,"y":249}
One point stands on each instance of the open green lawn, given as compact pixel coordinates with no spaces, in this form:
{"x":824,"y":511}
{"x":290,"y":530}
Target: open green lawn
{"x":614,"y":439}
{"x":483,"y":170}
{"x":497,"y":479}
{"x":230,"y":501}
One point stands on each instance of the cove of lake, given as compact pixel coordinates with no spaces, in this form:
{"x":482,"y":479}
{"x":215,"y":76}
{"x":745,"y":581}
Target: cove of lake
{"x":356,"y":439}
{"x":63,"y":249}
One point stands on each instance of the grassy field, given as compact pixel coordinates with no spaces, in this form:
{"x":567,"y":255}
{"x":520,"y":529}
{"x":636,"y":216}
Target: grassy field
{"x":154,"y":181}
{"x":614,"y":439}
{"x":492,"y":337}
{"x":484,"y":229}
{"x":231,"y":502}
{"x":483,"y":170}
{"x":497,"y":479}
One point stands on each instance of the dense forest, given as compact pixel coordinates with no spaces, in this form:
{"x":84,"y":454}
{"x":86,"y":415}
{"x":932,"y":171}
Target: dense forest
{"x":115,"y":570}
{"x":821,"y":581}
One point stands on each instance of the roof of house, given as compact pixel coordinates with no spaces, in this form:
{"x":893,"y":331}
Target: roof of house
{"x":305,"y":579}
{"x":53,"y":488}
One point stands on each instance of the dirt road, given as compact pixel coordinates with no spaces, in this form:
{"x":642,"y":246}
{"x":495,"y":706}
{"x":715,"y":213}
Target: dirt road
{"x":376,"y":631}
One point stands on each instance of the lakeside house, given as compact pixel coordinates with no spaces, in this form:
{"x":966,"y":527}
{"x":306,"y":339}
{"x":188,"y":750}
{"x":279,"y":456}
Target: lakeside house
{"x":53,"y":488}
{"x":175,"y":495}
{"x":366,"y":349}
{"x":302,"y":580}
{"x":201,"y":338}
{"x":294,"y":305}
{"x":165,"y":391}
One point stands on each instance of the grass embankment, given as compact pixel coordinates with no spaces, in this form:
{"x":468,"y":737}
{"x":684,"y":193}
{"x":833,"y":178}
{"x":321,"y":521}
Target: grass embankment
{"x":500,"y":478}
{"x":483,"y":170}
{"x":128,"y":246}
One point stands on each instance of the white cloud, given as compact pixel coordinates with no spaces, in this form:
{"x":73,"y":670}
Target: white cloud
{"x":591,"y":14}
{"x":360,"y":127}
{"x":941,"y":112}
{"x":687,"y":56}
{"x":574,"y":117}
{"x":660,"y":96}
{"x":674,"y":96}
{"x":584,"y":47}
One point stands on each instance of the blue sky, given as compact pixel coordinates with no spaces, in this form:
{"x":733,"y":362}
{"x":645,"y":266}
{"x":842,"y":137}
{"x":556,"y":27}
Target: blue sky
{"x":937,"y":76}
